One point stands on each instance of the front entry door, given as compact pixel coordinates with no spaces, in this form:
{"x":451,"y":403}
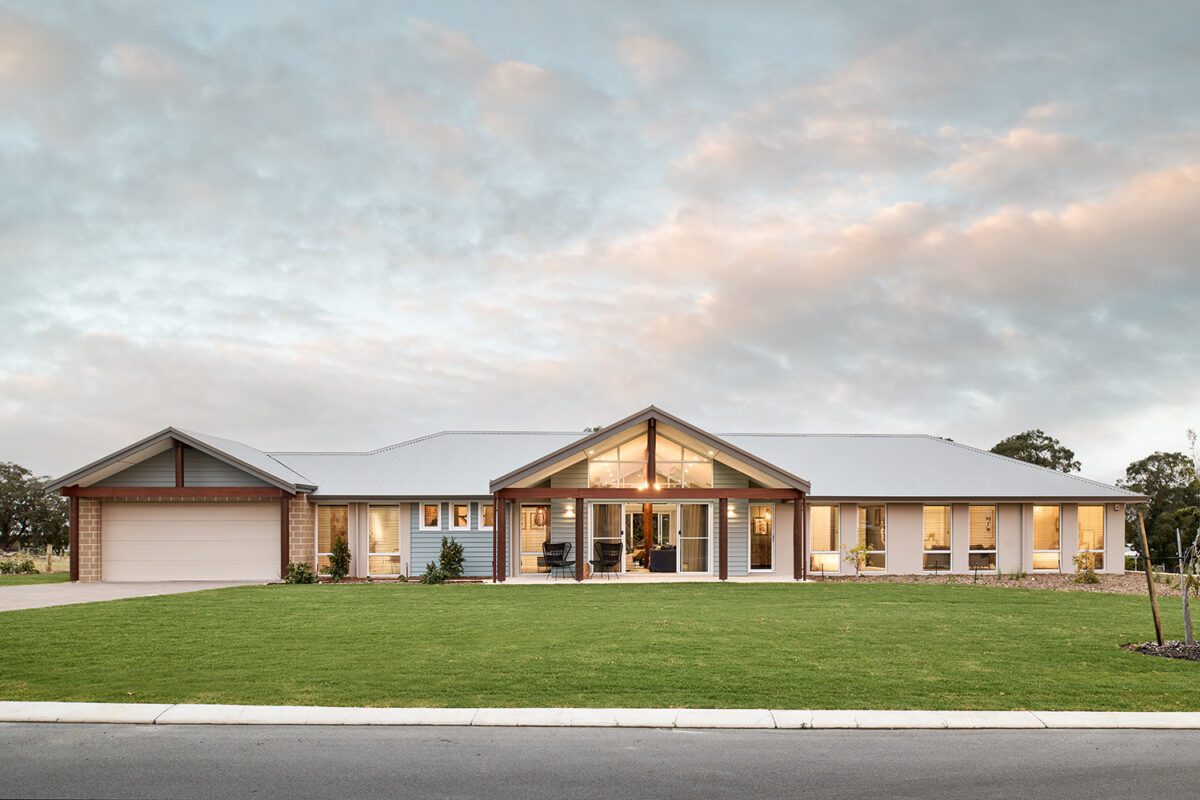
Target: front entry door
{"x":762,"y":538}
{"x":535,"y":530}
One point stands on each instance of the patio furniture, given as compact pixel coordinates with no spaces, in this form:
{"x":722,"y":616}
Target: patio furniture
{"x":557,"y":557}
{"x":608,"y":558}
{"x":662,"y":560}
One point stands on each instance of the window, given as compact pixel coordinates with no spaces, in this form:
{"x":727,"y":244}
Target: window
{"x":1091,"y":535}
{"x":872,"y":534}
{"x":487,"y":516}
{"x":431,"y":516}
{"x":333,"y":522}
{"x":935,"y":541}
{"x":981,"y":553}
{"x":625,"y":466}
{"x":384,"y":533}
{"x":460,"y":516}
{"x":1045,"y":537}
{"x":824,"y":539}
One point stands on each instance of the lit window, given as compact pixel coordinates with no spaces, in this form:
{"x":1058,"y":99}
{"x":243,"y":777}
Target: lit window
{"x":384,"y":557}
{"x":1046,"y":538}
{"x":487,"y":516}
{"x":824,"y":539}
{"x":460,"y":516}
{"x":625,"y":466}
{"x":431,"y":516}
{"x":333,"y":523}
{"x":982,"y":548}
{"x":935,"y":541}
{"x":872,"y":534}
{"x":1091,"y":535}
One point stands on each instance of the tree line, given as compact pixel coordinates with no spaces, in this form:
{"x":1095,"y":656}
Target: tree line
{"x":1170,"y":480}
{"x":28,"y":516}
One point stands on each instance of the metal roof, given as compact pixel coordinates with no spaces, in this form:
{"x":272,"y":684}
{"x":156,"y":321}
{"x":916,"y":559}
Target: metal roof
{"x":463,"y":463}
{"x":240,"y":455}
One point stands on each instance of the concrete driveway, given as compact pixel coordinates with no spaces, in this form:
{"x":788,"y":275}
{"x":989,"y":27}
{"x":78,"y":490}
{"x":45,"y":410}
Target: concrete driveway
{"x":41,"y":595}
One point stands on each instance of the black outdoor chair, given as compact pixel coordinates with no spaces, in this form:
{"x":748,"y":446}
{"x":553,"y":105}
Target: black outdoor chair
{"x":557,"y":557}
{"x":608,"y":558}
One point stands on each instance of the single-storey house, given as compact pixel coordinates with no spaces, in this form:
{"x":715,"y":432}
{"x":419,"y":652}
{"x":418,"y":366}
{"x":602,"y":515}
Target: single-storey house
{"x":650,"y":493}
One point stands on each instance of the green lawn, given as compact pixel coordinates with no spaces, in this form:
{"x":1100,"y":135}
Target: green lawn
{"x":22,"y":580}
{"x":840,"y":645}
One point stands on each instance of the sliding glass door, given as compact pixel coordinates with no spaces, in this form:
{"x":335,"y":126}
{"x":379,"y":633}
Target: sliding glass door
{"x":694,"y":537}
{"x":606,"y":527}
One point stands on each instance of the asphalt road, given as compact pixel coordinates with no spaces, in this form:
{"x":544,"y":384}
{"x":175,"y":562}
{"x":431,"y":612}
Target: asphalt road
{"x":181,"y":761}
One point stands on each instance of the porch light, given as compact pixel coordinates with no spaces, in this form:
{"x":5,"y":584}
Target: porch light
{"x":656,"y":486}
{"x":569,"y":511}
{"x":729,"y":513}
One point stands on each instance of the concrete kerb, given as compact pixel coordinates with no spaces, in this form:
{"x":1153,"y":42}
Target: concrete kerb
{"x":694,"y":718}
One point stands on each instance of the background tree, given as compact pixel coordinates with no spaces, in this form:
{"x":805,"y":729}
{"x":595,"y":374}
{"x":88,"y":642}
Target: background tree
{"x":28,"y":517}
{"x":16,"y":498}
{"x":1171,"y":483}
{"x":1036,"y":447}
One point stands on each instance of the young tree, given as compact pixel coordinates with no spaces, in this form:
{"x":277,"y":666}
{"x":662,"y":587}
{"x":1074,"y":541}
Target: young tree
{"x":1171,"y":483}
{"x":1036,"y":447}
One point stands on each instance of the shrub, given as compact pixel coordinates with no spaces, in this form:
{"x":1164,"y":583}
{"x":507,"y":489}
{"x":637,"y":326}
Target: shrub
{"x":23,"y":567}
{"x":433,"y":574}
{"x":339,"y":559}
{"x":451,"y":558}
{"x":449,"y":564}
{"x":1085,"y":568}
{"x":857,"y":556}
{"x":300,"y":572}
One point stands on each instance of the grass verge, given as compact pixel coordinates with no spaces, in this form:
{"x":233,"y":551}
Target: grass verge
{"x":836,"y":645}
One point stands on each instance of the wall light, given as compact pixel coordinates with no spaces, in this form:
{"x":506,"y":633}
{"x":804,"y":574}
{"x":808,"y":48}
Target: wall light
{"x":569,"y":513}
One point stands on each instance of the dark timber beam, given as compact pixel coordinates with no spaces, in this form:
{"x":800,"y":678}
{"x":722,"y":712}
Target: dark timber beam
{"x":497,"y":527}
{"x":580,"y":560}
{"x":651,"y":494}
{"x":230,"y":492}
{"x":502,"y":566}
{"x":723,"y":537}
{"x":798,"y":540}
{"x":285,"y":535}
{"x":74,"y":532}
{"x":647,"y":531}
{"x":651,"y":457}
{"x":178,"y":463}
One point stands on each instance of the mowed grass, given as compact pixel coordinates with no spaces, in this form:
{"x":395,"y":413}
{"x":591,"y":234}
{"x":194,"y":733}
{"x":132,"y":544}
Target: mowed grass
{"x":840,"y":645}
{"x":45,"y":577}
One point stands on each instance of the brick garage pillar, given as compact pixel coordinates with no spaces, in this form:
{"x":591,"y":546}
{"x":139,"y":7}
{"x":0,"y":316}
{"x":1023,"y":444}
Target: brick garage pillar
{"x":303,"y":543}
{"x":89,"y":540}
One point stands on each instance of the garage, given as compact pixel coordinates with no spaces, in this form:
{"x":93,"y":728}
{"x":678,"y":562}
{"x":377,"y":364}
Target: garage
{"x":182,"y":541}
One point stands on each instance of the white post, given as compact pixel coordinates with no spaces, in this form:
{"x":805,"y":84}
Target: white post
{"x":1183,"y":592}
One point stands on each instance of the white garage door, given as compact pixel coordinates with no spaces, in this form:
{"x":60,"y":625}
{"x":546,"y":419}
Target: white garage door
{"x":190,"y":541}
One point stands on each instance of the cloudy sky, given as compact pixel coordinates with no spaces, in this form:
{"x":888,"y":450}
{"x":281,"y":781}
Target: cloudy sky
{"x":345,"y":224}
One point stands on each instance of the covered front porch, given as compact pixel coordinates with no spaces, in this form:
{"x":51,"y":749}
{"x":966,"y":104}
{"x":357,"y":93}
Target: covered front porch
{"x":650,"y":498}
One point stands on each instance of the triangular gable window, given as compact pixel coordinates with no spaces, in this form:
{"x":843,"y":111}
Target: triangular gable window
{"x":624,"y":466}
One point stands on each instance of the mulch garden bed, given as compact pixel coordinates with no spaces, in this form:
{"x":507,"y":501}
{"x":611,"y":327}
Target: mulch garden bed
{"x":1128,"y":583}
{"x":1169,"y":649}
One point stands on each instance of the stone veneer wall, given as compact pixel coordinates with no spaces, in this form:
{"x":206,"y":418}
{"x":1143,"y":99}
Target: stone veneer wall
{"x":302,"y":529}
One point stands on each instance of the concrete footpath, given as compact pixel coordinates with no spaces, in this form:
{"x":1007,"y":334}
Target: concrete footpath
{"x":193,"y":714}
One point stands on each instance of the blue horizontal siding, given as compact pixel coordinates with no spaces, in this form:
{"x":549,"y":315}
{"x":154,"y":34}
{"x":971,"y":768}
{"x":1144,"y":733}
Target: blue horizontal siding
{"x":427,"y":545}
